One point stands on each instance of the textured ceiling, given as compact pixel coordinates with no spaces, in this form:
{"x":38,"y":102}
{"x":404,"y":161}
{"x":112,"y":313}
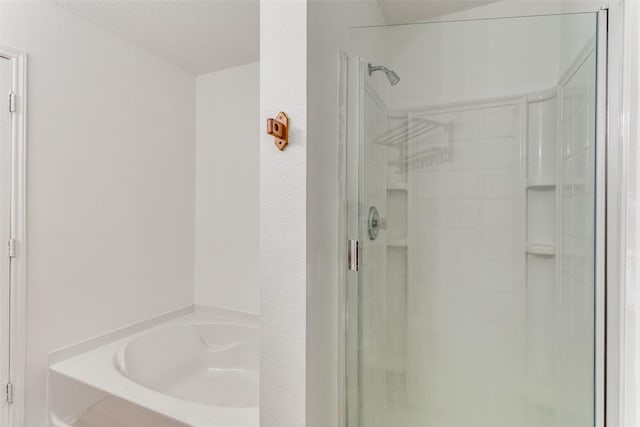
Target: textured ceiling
{"x":197,"y":35}
{"x":406,"y":11}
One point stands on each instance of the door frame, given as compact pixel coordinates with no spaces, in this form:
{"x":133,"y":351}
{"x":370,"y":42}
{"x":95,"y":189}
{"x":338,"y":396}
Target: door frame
{"x":13,"y":414}
{"x":612,"y":380}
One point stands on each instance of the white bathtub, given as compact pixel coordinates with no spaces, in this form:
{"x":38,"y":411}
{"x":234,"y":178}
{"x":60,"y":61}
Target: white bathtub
{"x":196,"y":370}
{"x":210,"y":363}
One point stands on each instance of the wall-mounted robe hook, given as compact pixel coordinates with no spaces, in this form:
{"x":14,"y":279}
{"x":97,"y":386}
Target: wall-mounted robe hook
{"x":279,"y":128}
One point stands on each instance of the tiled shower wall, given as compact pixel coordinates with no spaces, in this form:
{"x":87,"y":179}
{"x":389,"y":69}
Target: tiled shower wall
{"x":575,"y":297}
{"x":482,"y":298}
{"x":373,"y":283}
{"x":466,"y":307}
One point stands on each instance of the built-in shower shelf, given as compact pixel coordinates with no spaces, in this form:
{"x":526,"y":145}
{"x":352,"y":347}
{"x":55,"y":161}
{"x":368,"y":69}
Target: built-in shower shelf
{"x":543,"y":250}
{"x":397,"y":243}
{"x":541,"y":185}
{"x":399,"y":186}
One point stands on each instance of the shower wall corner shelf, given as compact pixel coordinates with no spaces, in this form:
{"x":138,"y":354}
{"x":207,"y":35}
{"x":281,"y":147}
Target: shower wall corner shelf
{"x":400,"y":243}
{"x":541,"y":185}
{"x":539,"y":249}
{"x":398,"y":186}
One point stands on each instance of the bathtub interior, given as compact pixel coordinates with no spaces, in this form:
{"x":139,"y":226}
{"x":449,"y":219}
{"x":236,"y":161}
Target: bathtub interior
{"x":210,"y":363}
{"x":196,"y":369}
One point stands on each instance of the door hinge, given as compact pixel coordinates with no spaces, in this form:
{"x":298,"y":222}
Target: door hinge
{"x":12,"y":102}
{"x":12,"y":248}
{"x":353,"y":255}
{"x":9,"y":392}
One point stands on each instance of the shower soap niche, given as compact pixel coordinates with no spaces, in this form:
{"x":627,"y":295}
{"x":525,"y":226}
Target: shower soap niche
{"x":541,"y":221}
{"x":542,"y":250}
{"x":541,"y":185}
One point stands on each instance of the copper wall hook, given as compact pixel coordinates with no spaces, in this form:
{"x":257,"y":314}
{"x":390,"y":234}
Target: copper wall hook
{"x":279,"y":128}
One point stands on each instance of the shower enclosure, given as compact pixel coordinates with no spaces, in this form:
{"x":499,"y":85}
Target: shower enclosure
{"x":475,"y":176}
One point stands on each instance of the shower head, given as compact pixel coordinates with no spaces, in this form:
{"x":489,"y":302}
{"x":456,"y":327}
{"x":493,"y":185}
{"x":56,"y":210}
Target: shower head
{"x":391,"y":75}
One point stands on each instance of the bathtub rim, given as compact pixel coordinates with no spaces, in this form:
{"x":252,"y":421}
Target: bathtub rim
{"x":120,"y":355}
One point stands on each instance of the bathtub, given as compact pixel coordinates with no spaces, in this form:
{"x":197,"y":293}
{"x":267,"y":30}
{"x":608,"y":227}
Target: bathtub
{"x":210,"y":363}
{"x":196,"y":370}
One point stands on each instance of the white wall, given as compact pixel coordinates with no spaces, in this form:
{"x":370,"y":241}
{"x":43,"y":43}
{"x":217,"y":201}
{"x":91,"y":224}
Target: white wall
{"x":110,"y":184}
{"x":227,"y":189}
{"x":299,"y":210}
{"x":283,"y":213}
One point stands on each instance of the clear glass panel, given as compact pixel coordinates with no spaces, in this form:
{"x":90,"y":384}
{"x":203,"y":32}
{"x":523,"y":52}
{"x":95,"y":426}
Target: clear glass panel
{"x":474,"y":303}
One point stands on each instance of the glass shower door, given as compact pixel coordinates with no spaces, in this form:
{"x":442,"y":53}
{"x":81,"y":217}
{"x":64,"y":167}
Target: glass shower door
{"x":471,"y":184}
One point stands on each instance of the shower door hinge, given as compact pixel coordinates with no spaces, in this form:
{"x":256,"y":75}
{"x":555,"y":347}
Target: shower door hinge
{"x":12,"y":102}
{"x":12,"y":248}
{"x":9,"y":392}
{"x":353,"y":255}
